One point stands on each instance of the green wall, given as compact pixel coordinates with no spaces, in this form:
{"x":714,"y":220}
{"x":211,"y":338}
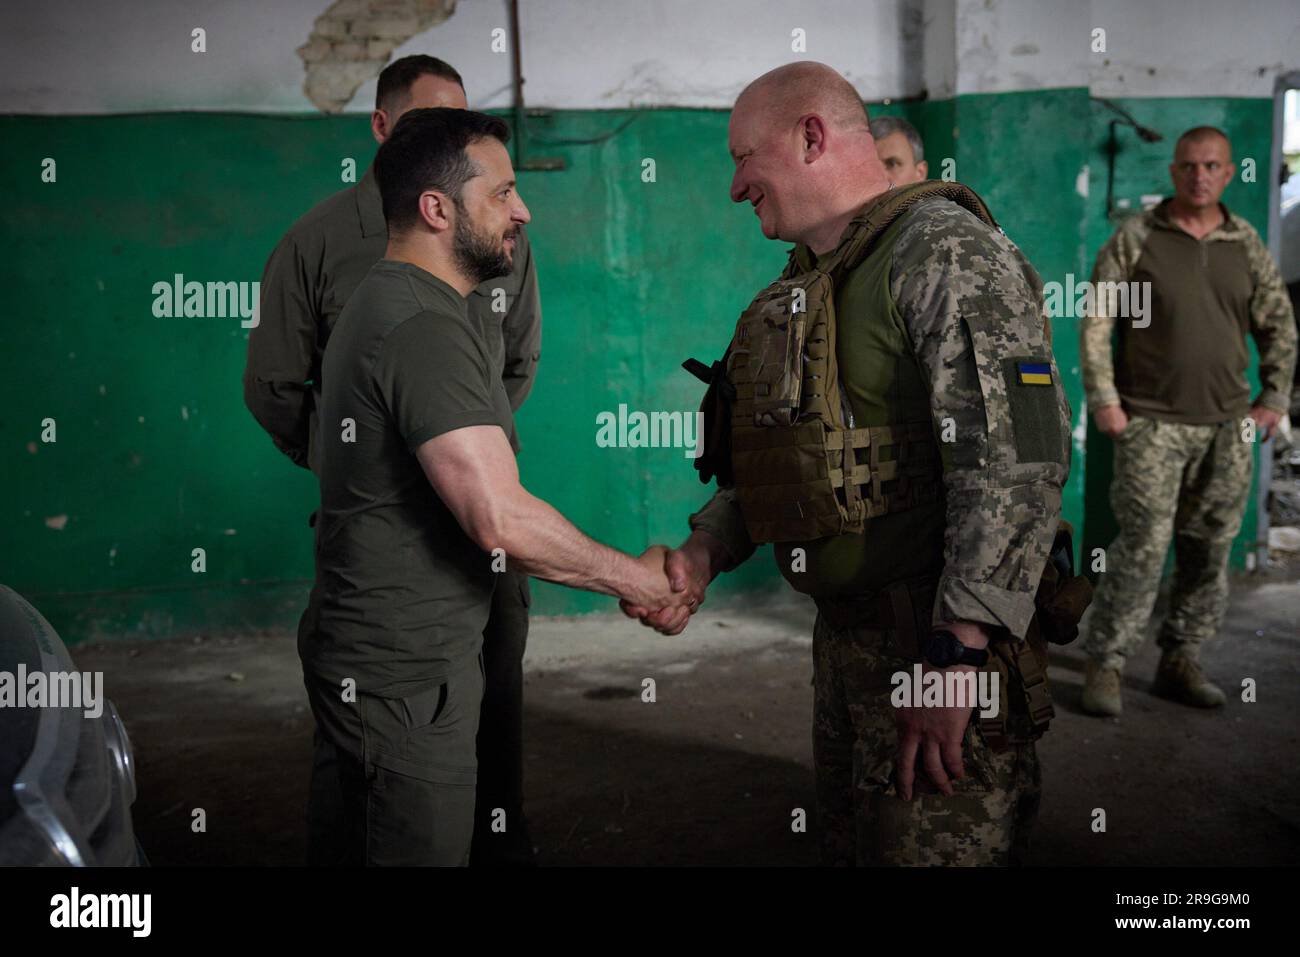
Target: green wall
{"x":156,"y":454}
{"x":635,"y":277}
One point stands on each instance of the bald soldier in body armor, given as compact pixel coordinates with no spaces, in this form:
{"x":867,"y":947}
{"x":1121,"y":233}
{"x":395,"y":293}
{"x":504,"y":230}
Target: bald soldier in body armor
{"x":899,"y":432}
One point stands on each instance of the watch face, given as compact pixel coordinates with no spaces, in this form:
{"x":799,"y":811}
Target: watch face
{"x":939,"y":650}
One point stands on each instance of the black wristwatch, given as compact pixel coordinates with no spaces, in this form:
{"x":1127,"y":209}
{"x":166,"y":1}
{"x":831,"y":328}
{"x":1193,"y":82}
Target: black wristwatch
{"x":943,"y":650}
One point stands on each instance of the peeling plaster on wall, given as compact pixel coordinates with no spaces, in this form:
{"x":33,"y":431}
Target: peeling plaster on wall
{"x":352,"y":41}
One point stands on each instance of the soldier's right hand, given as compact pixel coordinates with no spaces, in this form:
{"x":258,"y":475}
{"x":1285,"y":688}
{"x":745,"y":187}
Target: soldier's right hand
{"x":1111,"y":419}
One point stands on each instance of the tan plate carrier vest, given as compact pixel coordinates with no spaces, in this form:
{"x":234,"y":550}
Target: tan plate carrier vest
{"x":801,"y":470}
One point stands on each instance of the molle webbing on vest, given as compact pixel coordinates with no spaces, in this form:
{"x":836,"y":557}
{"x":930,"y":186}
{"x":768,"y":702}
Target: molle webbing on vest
{"x":801,"y":469}
{"x":914,"y":462}
{"x":804,"y":487}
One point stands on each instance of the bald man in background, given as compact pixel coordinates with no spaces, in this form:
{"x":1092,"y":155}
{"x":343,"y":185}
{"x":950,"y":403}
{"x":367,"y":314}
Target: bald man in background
{"x":308,"y":279}
{"x":939,"y":332}
{"x":901,"y":152}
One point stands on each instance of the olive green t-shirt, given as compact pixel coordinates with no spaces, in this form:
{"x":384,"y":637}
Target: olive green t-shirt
{"x":401,"y":593}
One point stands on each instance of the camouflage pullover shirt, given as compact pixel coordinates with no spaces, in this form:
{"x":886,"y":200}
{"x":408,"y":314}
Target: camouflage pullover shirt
{"x":1184,"y":358}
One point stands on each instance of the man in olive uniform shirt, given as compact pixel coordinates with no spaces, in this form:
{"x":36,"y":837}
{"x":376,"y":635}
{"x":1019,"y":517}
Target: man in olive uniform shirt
{"x":421,"y":504}
{"x":309,"y":278}
{"x":1174,"y":399}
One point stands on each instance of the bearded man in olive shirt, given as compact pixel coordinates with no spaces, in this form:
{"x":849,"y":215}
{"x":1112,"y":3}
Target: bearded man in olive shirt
{"x":1174,"y":398}
{"x":309,"y":278}
{"x":421,"y":503}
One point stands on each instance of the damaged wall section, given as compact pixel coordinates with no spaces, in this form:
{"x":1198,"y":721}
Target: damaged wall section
{"x":353,"y":40}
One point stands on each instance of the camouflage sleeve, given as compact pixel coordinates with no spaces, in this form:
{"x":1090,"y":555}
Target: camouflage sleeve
{"x":721,"y":518}
{"x":1272,"y":323}
{"x":972,"y":308}
{"x":1115,"y":263}
{"x":522,"y":331}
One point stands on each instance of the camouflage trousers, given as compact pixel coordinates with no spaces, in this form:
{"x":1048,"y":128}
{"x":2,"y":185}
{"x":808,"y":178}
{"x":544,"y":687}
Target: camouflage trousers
{"x":1188,"y":483}
{"x":855,"y":743}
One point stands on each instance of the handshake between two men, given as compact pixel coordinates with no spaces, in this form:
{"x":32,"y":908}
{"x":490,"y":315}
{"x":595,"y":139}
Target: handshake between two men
{"x":688,"y":569}
{"x":474,"y":472}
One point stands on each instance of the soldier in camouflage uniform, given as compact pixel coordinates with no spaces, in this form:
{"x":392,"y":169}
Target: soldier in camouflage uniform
{"x":1174,"y":398}
{"x":930,"y":325}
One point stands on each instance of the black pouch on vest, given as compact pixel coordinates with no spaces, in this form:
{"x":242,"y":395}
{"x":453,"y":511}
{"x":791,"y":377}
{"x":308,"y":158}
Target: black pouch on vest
{"x":715,"y":459}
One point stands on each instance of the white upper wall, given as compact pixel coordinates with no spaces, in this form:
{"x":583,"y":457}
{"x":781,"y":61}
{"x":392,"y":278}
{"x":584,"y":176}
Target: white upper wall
{"x":1006,"y":45}
{"x":66,"y":56}
{"x":1205,"y":47}
{"x":581,"y":54}
{"x":622,"y":53}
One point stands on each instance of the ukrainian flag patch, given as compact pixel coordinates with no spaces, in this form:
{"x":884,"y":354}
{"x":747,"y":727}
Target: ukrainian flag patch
{"x":1038,"y":422}
{"x":1034,"y":373}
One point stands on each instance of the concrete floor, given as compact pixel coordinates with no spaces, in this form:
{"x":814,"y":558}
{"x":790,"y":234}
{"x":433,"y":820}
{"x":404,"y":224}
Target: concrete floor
{"x":710,"y":772}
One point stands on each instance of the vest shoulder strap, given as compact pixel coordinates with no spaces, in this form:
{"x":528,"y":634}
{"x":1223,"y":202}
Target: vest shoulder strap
{"x":867,"y":228}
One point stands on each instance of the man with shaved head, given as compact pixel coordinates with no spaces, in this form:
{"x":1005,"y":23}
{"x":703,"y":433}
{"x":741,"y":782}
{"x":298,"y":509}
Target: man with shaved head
{"x":899,"y":432}
{"x":1173,"y":396}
